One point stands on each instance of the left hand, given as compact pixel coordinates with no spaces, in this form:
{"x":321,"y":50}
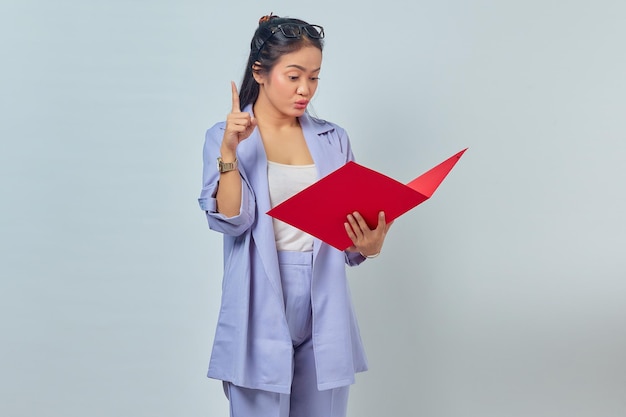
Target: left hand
{"x":368,"y":242}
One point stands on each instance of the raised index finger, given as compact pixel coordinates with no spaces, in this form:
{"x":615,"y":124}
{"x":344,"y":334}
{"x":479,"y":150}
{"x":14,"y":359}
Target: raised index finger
{"x":236,"y":108}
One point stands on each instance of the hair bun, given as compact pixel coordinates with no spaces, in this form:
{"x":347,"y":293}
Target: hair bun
{"x":267,"y":18}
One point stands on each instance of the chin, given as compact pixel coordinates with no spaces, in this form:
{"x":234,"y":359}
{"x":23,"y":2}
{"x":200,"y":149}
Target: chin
{"x":290,"y":111}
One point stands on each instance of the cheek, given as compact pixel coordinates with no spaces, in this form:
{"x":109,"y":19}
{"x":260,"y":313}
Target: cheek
{"x":279,"y":83}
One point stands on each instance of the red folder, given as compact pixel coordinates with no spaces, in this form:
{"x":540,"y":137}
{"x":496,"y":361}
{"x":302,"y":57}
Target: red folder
{"x":321,"y":208}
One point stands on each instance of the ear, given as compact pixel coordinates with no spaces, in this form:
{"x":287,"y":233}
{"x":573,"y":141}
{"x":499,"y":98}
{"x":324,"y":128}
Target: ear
{"x":259,"y":76}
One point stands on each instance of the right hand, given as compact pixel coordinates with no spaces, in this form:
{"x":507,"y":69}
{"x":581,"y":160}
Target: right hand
{"x":239,"y":125}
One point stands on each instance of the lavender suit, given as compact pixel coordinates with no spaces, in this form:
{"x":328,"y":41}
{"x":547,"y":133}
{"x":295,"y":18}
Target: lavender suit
{"x":252,"y":346}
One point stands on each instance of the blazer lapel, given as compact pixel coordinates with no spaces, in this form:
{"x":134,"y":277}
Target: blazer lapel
{"x":252,"y":157}
{"x":326,"y":158}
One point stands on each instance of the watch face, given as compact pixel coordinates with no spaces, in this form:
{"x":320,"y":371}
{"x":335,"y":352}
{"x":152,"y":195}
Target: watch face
{"x":226,"y":166}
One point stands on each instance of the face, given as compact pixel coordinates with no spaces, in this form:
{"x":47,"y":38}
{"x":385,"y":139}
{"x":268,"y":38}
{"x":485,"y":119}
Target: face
{"x":291,"y":84}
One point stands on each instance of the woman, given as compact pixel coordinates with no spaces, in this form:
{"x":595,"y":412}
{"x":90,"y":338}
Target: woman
{"x":287,"y":342}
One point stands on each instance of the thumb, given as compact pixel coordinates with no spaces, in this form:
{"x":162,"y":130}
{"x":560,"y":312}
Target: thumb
{"x":389,"y":226}
{"x":381,"y":220}
{"x":251,"y":126}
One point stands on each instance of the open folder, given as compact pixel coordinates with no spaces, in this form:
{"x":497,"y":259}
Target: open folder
{"x":322,"y":208}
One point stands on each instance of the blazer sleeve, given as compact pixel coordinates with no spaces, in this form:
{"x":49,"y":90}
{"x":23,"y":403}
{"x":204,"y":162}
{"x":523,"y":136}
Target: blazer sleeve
{"x":235,"y":225}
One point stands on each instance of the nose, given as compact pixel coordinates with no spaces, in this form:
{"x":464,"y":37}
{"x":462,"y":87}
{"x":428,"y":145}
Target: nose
{"x":303,"y":90}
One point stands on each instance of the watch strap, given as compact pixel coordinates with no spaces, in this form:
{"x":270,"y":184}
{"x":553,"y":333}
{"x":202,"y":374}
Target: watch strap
{"x":226,"y":166}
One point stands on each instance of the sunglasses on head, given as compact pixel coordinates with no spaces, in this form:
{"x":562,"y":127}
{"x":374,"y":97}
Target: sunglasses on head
{"x":294,"y":30}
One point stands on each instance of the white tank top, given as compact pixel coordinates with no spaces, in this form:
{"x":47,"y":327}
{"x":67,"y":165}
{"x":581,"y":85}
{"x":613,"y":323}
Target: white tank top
{"x":285,"y":181}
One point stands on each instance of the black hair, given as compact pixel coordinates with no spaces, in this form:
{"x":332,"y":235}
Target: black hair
{"x":266,"y":48}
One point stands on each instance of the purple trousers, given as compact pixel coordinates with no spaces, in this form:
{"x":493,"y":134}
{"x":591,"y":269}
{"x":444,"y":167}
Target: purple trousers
{"x":304,"y":400}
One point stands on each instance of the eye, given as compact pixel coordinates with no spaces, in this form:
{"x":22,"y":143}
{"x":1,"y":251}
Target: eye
{"x":315,"y":78}
{"x":293,"y":77}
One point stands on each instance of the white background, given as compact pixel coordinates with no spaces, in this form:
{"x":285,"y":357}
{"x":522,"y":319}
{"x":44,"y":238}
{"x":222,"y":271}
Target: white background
{"x":504,"y":295}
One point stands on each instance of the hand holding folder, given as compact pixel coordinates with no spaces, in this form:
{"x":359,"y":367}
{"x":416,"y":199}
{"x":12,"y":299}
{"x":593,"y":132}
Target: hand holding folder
{"x":321,"y":208}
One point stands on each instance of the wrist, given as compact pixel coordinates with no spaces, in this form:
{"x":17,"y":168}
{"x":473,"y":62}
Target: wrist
{"x":228,"y":155}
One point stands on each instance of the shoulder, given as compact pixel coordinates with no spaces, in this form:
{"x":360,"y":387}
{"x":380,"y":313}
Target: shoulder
{"x":329,"y":134}
{"x":218,"y":127}
{"x":215,"y":133}
{"x":324,"y":127}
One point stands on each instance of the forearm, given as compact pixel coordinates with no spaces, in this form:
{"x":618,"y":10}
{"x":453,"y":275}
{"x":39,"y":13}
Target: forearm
{"x":229,"y":191}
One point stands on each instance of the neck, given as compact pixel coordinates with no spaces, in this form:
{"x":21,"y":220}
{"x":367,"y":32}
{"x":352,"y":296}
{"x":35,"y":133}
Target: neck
{"x":268,"y":117}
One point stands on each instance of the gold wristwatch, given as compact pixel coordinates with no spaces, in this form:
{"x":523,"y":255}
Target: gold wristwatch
{"x":226,"y":166}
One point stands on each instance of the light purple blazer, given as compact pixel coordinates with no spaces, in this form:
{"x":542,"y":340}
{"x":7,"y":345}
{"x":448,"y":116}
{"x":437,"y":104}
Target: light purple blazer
{"x":252,"y":346}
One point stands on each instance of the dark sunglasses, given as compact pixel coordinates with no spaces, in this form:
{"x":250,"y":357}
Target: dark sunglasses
{"x":294,"y":30}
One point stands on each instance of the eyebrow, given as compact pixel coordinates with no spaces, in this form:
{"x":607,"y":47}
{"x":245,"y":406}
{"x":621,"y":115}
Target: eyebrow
{"x":301,"y":68}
